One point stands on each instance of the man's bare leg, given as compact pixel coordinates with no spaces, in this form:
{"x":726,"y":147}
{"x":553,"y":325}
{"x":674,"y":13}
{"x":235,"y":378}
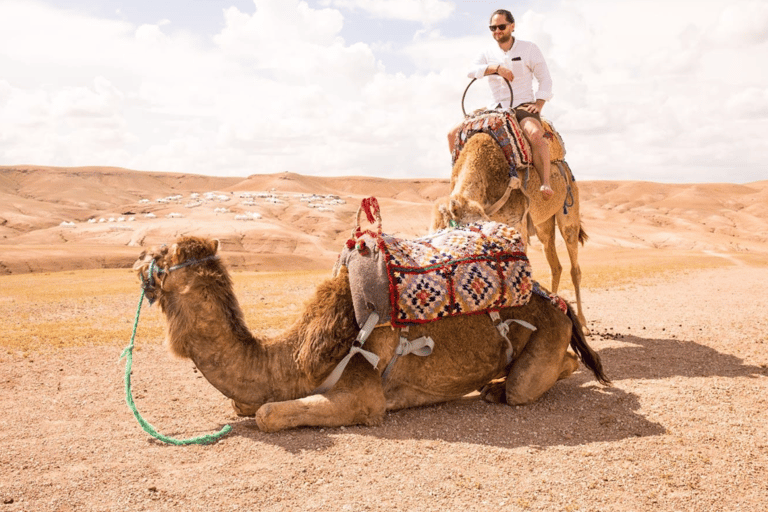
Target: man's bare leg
{"x":534,"y":132}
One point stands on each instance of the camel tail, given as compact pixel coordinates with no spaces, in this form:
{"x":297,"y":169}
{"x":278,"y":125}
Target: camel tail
{"x":583,"y":236}
{"x":579,"y":344}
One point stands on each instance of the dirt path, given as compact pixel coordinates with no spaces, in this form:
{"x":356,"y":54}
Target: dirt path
{"x":683,"y":428}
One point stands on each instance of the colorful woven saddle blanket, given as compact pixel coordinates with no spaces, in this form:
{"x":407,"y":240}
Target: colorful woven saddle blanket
{"x":477,"y":268}
{"x":503,"y":127}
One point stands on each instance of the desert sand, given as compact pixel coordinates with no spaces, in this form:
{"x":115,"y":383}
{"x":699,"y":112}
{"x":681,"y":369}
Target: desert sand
{"x":674,"y":285}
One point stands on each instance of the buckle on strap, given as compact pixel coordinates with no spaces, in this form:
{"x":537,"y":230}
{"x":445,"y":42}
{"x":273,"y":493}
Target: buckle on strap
{"x":503,"y":328}
{"x":335,"y":375}
{"x":421,"y":347}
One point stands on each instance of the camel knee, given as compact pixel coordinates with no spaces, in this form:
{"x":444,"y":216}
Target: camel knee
{"x":537,"y":140}
{"x":263,"y":419}
{"x":557,"y":270}
{"x":575,"y":275}
{"x":526,"y":384}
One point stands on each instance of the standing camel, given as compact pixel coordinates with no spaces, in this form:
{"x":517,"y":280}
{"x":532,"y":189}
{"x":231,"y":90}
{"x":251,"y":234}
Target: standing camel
{"x":479,"y":182}
{"x":279,"y":380}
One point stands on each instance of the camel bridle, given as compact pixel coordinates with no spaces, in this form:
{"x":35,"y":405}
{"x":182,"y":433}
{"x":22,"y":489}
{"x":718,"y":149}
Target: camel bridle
{"x":149,"y":285}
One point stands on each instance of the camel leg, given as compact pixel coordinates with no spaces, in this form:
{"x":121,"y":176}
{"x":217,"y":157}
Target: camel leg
{"x":546,"y":233}
{"x":543,"y":361}
{"x":569,"y":226}
{"x":358,"y":398}
{"x":570,"y":365}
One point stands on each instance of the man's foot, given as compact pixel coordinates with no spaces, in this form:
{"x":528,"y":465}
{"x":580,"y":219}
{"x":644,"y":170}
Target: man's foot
{"x":546,"y":192}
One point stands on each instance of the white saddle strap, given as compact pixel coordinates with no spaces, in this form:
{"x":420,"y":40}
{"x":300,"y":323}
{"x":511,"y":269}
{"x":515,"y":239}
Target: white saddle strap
{"x":335,"y":375}
{"x":368,"y":327}
{"x":421,"y":347}
{"x":503,"y":328}
{"x":495,"y":207}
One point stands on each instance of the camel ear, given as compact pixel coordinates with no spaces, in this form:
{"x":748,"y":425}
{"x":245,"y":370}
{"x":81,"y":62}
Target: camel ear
{"x":215,"y":244}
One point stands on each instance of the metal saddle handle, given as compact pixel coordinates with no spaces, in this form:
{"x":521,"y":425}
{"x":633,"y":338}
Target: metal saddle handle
{"x":511,"y":94}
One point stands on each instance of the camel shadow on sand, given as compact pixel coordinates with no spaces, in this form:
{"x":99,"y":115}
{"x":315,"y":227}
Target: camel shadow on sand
{"x":576,"y":411}
{"x":650,"y":359}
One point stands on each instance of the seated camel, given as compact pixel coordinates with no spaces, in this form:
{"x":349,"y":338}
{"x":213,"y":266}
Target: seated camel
{"x":280,"y":380}
{"x":480,"y":190}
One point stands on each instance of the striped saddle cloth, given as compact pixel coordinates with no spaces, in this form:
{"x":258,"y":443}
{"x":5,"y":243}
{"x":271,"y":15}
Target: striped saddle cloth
{"x":503,"y":127}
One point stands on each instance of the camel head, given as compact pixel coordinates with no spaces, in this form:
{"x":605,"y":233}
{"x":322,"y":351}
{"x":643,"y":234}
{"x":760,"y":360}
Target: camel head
{"x":452,"y":210}
{"x":183,"y":254}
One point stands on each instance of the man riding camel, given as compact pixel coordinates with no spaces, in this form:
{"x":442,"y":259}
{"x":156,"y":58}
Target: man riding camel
{"x":519,"y":62}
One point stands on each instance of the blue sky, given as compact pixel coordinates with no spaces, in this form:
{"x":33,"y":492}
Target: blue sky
{"x":669,"y":91}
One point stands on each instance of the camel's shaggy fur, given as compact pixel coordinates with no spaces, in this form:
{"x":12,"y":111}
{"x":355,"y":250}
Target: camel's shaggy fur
{"x":480,"y":178}
{"x":274,"y":379}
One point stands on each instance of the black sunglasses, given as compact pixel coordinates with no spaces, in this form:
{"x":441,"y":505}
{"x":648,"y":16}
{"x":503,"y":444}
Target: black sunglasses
{"x":501,"y":27}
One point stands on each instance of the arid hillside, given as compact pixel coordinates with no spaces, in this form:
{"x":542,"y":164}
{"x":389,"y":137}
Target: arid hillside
{"x":90,"y":217}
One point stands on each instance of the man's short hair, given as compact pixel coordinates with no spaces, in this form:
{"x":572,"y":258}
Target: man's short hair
{"x":505,"y":13}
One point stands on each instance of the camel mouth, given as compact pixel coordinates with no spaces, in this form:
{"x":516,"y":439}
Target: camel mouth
{"x":141,"y":265}
{"x":148,"y":271}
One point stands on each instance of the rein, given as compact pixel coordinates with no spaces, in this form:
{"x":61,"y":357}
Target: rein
{"x":146,"y":285}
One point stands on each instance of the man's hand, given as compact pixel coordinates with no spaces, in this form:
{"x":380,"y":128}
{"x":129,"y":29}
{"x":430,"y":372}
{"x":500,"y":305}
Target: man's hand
{"x":505,"y":73}
{"x":534,"y":108}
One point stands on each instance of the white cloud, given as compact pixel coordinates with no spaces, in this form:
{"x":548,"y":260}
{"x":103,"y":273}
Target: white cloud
{"x":425,"y":11}
{"x":742,"y":23}
{"x":279,"y":89}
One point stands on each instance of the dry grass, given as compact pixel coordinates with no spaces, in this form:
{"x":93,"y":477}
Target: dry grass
{"x":271,"y":301}
{"x":97,"y":307}
{"x":68,"y":309}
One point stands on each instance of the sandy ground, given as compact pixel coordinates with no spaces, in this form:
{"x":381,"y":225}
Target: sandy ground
{"x":682,"y":428}
{"x":674,"y":286}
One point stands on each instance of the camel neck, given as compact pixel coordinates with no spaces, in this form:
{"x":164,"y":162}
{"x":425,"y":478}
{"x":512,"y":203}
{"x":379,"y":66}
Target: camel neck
{"x":214,"y":336}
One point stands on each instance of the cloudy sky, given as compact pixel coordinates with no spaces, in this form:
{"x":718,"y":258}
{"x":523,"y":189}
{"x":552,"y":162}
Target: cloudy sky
{"x":659,"y":90}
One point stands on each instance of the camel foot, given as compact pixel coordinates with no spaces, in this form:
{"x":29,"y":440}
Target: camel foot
{"x":262,"y":419}
{"x":494,"y":392}
{"x":570,"y":365}
{"x":546,"y":192}
{"x":244,"y":409}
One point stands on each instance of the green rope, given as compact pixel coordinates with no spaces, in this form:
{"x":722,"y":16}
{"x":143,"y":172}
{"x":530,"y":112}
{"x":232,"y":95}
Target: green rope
{"x":128,"y":354}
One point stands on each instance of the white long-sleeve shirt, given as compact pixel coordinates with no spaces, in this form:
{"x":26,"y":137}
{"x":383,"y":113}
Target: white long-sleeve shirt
{"x":526,"y":62}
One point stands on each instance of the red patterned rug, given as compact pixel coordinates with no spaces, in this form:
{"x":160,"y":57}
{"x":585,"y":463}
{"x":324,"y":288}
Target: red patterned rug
{"x":471,"y":269}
